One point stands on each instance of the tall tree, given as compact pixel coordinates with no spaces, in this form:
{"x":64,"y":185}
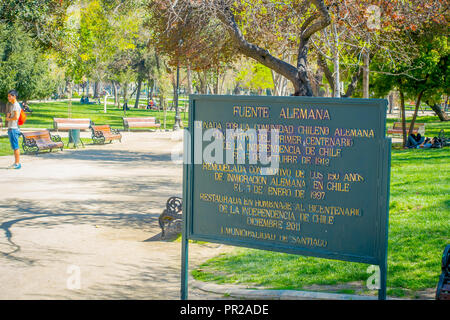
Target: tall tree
{"x":43,"y":20}
{"x":23,"y":65}
{"x":246,"y":25}
{"x":424,"y":74}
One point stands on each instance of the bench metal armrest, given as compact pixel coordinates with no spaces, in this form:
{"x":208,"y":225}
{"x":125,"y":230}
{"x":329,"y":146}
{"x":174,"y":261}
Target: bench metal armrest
{"x":29,"y":142}
{"x":29,"y":145}
{"x":55,"y":138}
{"x":97,"y":134}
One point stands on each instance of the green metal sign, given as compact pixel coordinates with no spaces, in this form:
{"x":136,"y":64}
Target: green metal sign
{"x":301,"y":175}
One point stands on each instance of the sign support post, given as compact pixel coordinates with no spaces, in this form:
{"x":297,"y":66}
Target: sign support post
{"x":385,"y":186}
{"x":187,"y":159}
{"x":184,"y":266}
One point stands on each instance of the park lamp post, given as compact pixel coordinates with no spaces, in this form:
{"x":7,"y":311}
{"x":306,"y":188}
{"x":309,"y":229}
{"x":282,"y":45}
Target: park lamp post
{"x":177,"y":123}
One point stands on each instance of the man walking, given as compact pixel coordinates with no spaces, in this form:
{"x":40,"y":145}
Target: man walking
{"x":12,"y":116}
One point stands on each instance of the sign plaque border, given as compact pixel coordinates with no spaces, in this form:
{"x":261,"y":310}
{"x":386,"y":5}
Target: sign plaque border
{"x":383,"y":181}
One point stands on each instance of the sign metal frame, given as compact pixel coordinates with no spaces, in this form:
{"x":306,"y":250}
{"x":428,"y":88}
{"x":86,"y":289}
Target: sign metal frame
{"x":383,"y":180}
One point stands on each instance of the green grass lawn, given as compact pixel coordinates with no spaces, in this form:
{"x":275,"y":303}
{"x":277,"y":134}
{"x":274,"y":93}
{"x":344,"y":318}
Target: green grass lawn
{"x":5,"y":148}
{"x":43,"y":114}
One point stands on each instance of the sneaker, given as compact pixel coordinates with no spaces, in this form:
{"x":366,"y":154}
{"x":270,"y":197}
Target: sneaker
{"x":16,"y":166}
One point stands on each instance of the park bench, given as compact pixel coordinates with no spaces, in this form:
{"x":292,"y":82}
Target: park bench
{"x":103,"y":133}
{"x":172,"y":214}
{"x":70,"y":124}
{"x":397,"y":128}
{"x":35,"y":141}
{"x":143,"y":122}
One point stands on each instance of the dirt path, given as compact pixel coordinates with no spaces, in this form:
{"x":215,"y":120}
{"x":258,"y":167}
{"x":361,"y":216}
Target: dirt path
{"x":77,"y":224}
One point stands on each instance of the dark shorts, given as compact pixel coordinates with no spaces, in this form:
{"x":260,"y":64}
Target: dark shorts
{"x":14,"y":135}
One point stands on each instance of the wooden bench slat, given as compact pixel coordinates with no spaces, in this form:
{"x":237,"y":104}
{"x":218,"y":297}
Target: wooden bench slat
{"x":72,"y":120}
{"x":142,"y":122}
{"x":69,"y":123}
{"x":397,"y":128}
{"x":140,"y":118}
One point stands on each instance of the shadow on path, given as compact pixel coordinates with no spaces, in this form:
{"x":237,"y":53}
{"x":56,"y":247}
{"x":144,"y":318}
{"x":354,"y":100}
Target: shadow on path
{"x":109,"y":156}
{"x":34,"y":214}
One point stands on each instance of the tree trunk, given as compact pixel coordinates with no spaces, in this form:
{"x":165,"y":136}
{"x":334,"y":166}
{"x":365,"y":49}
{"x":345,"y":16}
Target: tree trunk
{"x":418,"y":100}
{"x":216,"y":82}
{"x":237,"y":89}
{"x":69,"y":109}
{"x":164,"y":105}
{"x":125,"y":91}
{"x":328,"y":74}
{"x":189,"y":80}
{"x":336,"y":69}
{"x":138,"y":93}
{"x":152,"y":87}
{"x":222,"y":78}
{"x":280,"y":84}
{"x":297,"y":75}
{"x":87,"y":88}
{"x":366,"y":62}
{"x":403,"y":115}
{"x":439,"y":112}
{"x":317,"y":82}
{"x":301,"y":82}
{"x":125,"y":98}
{"x":337,"y":80}
{"x":96,"y":89}
{"x":391,"y":102}
{"x":116,"y":94}
{"x":202,"y":77}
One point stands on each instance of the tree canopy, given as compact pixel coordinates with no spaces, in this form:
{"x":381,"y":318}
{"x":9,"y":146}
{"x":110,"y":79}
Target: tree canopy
{"x":316,"y":45}
{"x":23,"y":65}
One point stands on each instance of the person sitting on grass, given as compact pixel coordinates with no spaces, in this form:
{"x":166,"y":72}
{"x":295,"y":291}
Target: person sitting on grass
{"x":414,"y":140}
{"x":430,"y":143}
{"x":150,"y":105}
{"x":12,"y":116}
